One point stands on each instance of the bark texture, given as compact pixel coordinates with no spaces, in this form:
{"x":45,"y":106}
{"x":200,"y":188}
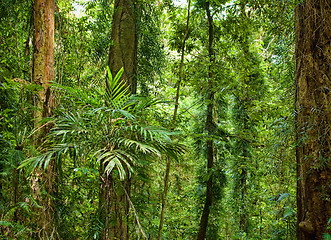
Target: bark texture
{"x":123,"y":50}
{"x":210,"y":127}
{"x":114,"y":206}
{"x":313,"y":120}
{"x":43,"y":58}
{"x":164,"y":196}
{"x":43,"y":74}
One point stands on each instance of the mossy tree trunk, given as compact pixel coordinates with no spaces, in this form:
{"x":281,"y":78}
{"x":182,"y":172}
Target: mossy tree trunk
{"x":123,"y":50}
{"x":43,"y":74}
{"x":313,"y":118}
{"x":114,"y":193}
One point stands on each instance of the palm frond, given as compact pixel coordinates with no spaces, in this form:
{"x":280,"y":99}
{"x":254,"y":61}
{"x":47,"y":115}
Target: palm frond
{"x":142,"y":103}
{"x":84,"y":97}
{"x":170,"y":149}
{"x":125,"y":113}
{"x":41,"y":161}
{"x":139,"y":147}
{"x":117,"y":93}
{"x":116,"y":158}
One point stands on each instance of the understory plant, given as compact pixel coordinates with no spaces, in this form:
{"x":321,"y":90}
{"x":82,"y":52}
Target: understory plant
{"x":98,"y":131}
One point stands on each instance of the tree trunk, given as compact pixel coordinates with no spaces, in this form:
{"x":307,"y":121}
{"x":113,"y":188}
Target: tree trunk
{"x":123,"y":50}
{"x":243,"y":185}
{"x":43,"y":74}
{"x":114,"y":203}
{"x":210,"y":127}
{"x":180,"y":76}
{"x":313,"y":109}
{"x":164,"y":195}
{"x":43,"y":60}
{"x":243,"y":179}
{"x":113,"y":206}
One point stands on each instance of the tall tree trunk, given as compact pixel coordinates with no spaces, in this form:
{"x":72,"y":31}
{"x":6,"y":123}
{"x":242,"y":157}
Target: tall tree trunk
{"x":43,"y":74}
{"x":114,"y":202}
{"x":43,"y":60}
{"x":123,"y":50}
{"x":180,"y":77}
{"x":174,"y":118}
{"x":313,"y":119}
{"x":113,"y":206}
{"x":210,"y":127}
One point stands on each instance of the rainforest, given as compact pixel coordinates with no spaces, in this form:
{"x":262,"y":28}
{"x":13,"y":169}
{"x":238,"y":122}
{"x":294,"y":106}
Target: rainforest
{"x":166,"y":119}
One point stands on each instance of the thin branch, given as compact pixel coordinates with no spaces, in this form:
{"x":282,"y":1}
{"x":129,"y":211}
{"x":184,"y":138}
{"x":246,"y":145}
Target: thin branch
{"x":135,"y":212}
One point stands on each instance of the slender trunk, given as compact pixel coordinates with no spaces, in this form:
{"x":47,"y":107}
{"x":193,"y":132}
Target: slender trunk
{"x":164,"y":195}
{"x":243,"y":186}
{"x":16,"y":183}
{"x":209,"y":194}
{"x":210,"y":127}
{"x":180,"y":77}
{"x":313,"y":108}
{"x":174,"y":118}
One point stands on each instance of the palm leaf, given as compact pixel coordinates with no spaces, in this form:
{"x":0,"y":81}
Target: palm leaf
{"x":116,"y":91}
{"x":116,"y":158}
{"x":41,"y":161}
{"x":139,"y":147}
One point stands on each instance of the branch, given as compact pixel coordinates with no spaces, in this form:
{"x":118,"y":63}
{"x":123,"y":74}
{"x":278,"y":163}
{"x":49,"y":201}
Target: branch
{"x":134,"y":211}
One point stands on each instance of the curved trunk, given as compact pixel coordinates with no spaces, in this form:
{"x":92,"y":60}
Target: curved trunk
{"x":174,"y":117}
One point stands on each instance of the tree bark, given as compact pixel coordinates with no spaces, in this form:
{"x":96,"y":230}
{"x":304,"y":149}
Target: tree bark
{"x":113,"y":206}
{"x":123,"y":50}
{"x":43,"y":74}
{"x":313,"y":117}
{"x":210,"y":127}
{"x":43,"y":59}
{"x":113,"y":201}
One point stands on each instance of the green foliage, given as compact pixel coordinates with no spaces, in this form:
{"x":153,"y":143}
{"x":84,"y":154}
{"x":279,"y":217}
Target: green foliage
{"x":150,"y":52}
{"x":96,"y":120}
{"x":105,"y":130}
